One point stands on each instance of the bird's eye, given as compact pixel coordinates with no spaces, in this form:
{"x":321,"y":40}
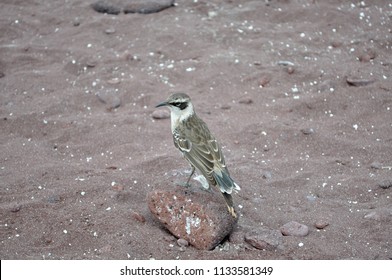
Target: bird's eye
{"x":181,"y":105}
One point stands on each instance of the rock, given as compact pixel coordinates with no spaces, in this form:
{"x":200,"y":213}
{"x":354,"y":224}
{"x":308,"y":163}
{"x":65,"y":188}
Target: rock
{"x":16,"y":208}
{"x":115,"y":7}
{"x":376,"y":165}
{"x":290,"y":70}
{"x":359,"y":82}
{"x":307,"y":131}
{"x":138,"y":217}
{"x":54,"y":198}
{"x":379,"y":214}
{"x":264,"y":80}
{"x":266,"y":174}
{"x":106,"y":7}
{"x":185,"y":213}
{"x":264,"y":238}
{"x":386,"y":184}
{"x":110,"y":30}
{"x":225,"y":107}
{"x":160,"y":114}
{"x":367,"y":55}
{"x":113,"y":81}
{"x":312,"y":197}
{"x":245,"y":100}
{"x":110,"y":98}
{"x":182,"y":242}
{"x":294,"y":229}
{"x":321,"y":224}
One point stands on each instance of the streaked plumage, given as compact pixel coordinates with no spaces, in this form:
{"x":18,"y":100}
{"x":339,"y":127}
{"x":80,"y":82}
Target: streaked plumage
{"x":193,"y":138}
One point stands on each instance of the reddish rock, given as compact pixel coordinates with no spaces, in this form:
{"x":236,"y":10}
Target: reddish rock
{"x":321,"y":224}
{"x":294,"y":229}
{"x":138,"y":217}
{"x":197,"y":216}
{"x":264,"y":238}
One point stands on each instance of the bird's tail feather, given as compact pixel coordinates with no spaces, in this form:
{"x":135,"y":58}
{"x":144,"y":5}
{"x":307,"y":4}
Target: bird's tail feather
{"x":225,"y":183}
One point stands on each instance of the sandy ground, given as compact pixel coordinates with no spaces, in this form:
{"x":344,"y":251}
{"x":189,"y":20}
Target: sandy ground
{"x":297,"y":91}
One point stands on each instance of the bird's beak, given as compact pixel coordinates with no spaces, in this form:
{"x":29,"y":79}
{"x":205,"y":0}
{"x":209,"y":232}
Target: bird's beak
{"x":162,"y":104}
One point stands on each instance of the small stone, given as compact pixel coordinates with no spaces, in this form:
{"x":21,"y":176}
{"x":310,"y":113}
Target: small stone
{"x":245,"y":100}
{"x":359,"y":82}
{"x":264,"y":238}
{"x":386,"y":184}
{"x":106,"y":7}
{"x":16,"y":209}
{"x":225,"y":107}
{"x":91,"y":63}
{"x":307,"y":131}
{"x":376,"y":165}
{"x":115,"y":7}
{"x":138,"y":217}
{"x":367,"y":55}
{"x":146,"y":6}
{"x":336,"y":44}
{"x":54,"y":198}
{"x":380,"y":214}
{"x":117,"y":187}
{"x":290,"y":70}
{"x":110,"y":30}
{"x":114,"y":81}
{"x":311,"y":197}
{"x":109,"y":97}
{"x":266,"y":174}
{"x":321,"y":224}
{"x":294,"y":229}
{"x":182,"y":242}
{"x":160,"y":114}
{"x":264,"y":80}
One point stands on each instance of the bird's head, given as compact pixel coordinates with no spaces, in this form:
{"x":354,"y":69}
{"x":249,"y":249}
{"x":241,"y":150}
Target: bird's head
{"x":179,"y":104}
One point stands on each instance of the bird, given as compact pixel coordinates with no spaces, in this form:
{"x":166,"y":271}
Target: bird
{"x":200,"y":148}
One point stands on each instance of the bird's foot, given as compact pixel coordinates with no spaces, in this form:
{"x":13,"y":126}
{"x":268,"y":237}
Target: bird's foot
{"x":184,"y":185}
{"x":232,"y":212}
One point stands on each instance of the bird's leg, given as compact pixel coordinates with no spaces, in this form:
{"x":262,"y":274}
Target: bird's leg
{"x":190,"y":176}
{"x":187,"y":185}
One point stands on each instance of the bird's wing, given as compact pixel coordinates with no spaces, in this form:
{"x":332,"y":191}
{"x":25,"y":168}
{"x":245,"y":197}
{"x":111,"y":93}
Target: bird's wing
{"x":202,"y":150}
{"x":198,"y":154}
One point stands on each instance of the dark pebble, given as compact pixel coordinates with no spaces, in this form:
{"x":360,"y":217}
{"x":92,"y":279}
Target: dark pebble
{"x":106,"y":7}
{"x":376,"y":165}
{"x":16,"y":209}
{"x":386,"y":184}
{"x":307,"y":131}
{"x":115,"y":7}
{"x":225,"y":107}
{"x":359,"y":82}
{"x":245,"y":100}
